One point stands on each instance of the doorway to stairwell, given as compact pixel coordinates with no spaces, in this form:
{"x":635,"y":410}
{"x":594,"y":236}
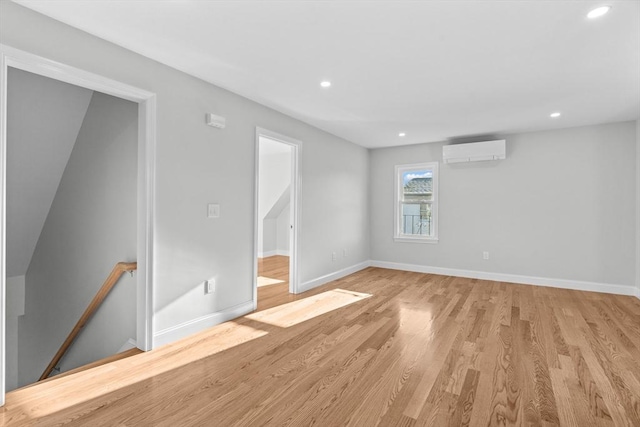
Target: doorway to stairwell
{"x":71,"y":217}
{"x":107,"y":161}
{"x":277,"y":185}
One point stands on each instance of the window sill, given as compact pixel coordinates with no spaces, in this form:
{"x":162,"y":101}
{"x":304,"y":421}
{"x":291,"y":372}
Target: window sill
{"x":403,"y":239}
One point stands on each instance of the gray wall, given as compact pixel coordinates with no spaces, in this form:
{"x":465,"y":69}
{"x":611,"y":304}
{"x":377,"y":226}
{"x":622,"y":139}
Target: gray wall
{"x":214,"y":166}
{"x":15,"y":308}
{"x":43,"y":121}
{"x":91,"y":226}
{"x":560,"y":206}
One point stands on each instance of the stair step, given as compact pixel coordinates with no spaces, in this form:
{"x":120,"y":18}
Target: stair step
{"x":109,"y":359}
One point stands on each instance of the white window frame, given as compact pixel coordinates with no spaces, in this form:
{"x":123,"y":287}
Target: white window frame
{"x":397,"y":234}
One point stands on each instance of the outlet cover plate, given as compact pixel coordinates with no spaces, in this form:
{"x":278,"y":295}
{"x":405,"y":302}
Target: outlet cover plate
{"x":213,"y":210}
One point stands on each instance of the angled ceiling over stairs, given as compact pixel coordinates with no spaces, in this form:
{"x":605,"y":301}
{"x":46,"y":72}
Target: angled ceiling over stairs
{"x":44,"y":117}
{"x":280,"y":204}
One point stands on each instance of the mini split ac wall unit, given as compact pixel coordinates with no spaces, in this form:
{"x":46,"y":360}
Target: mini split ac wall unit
{"x":474,"y":152}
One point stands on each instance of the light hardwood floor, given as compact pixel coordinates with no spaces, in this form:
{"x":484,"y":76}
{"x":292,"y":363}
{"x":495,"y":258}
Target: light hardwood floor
{"x":274,"y":268}
{"x":379,"y":347}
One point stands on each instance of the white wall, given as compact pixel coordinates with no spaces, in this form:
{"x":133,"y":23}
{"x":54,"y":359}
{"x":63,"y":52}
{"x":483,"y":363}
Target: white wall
{"x":269,"y":237}
{"x":275,"y":178}
{"x":15,"y":308}
{"x":91,"y":226}
{"x":283,"y":227}
{"x":44,"y":118}
{"x":335,"y":208}
{"x":275,"y":230}
{"x":560,"y":206}
{"x":197,"y":164}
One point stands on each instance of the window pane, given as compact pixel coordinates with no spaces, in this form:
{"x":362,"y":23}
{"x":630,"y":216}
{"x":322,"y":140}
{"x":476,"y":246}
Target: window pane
{"x":417,"y":186}
{"x":416,"y":219}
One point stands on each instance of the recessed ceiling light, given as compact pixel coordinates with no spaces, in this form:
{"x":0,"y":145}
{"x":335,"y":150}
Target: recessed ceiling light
{"x":554,"y":115}
{"x":325,"y":83}
{"x":598,"y":12}
{"x":401,"y":134}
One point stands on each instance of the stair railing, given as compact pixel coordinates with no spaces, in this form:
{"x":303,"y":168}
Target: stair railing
{"x":118,"y":270}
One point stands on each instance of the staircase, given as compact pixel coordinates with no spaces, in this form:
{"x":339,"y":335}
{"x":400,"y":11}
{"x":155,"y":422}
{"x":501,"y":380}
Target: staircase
{"x":118,"y":270}
{"x":106,"y":360}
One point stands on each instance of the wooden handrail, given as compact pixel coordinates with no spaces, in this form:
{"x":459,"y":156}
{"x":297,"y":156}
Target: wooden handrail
{"x":108,"y":284}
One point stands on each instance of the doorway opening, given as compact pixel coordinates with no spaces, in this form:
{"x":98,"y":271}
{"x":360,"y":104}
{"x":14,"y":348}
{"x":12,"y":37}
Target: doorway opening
{"x":91,"y":95}
{"x":276,"y":213}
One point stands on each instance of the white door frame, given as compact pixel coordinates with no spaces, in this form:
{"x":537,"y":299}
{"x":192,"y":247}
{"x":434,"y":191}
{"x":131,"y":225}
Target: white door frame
{"x":294,"y":235}
{"x":15,"y":58}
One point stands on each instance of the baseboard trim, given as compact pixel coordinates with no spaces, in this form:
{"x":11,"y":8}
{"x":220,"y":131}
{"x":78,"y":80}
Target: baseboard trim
{"x":190,"y":327}
{"x":513,"y":278}
{"x":314,"y":283}
{"x":128,"y":345}
{"x":267,"y":254}
{"x":273,"y":253}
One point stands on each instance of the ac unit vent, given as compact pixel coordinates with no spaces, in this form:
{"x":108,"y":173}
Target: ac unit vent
{"x":474,"y":152}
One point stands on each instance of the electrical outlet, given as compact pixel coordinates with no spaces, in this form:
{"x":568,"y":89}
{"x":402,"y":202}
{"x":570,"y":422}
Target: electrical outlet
{"x":213,"y":210}
{"x":334,"y":256}
{"x":485,"y":255}
{"x":344,"y":253}
{"x":210,"y":286}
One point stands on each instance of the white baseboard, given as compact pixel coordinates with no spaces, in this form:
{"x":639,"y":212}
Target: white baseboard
{"x":332,"y":276}
{"x":131,"y":343}
{"x":267,"y":254}
{"x":513,"y":278}
{"x":190,"y":327}
{"x":273,"y":253}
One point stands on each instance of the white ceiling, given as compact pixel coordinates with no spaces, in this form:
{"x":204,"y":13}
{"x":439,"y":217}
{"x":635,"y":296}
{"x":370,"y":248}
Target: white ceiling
{"x":432,"y":69}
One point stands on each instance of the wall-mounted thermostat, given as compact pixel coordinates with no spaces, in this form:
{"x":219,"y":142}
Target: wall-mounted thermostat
{"x":215,"y":121}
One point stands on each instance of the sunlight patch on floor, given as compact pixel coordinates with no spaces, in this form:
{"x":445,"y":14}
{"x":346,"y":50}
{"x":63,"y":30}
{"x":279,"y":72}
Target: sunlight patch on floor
{"x":266,"y":281}
{"x":304,"y":309}
{"x":414,"y":320}
{"x":134,"y":369}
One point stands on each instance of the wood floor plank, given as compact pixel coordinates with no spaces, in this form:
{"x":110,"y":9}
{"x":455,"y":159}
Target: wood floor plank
{"x":582,"y":386}
{"x":566,"y":410}
{"x":467,"y":395}
{"x":422,"y":349}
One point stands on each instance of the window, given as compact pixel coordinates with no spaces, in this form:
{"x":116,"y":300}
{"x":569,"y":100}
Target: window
{"x":416,"y":218}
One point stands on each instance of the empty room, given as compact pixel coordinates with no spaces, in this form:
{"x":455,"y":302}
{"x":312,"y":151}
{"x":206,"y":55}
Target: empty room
{"x":328,"y":213}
